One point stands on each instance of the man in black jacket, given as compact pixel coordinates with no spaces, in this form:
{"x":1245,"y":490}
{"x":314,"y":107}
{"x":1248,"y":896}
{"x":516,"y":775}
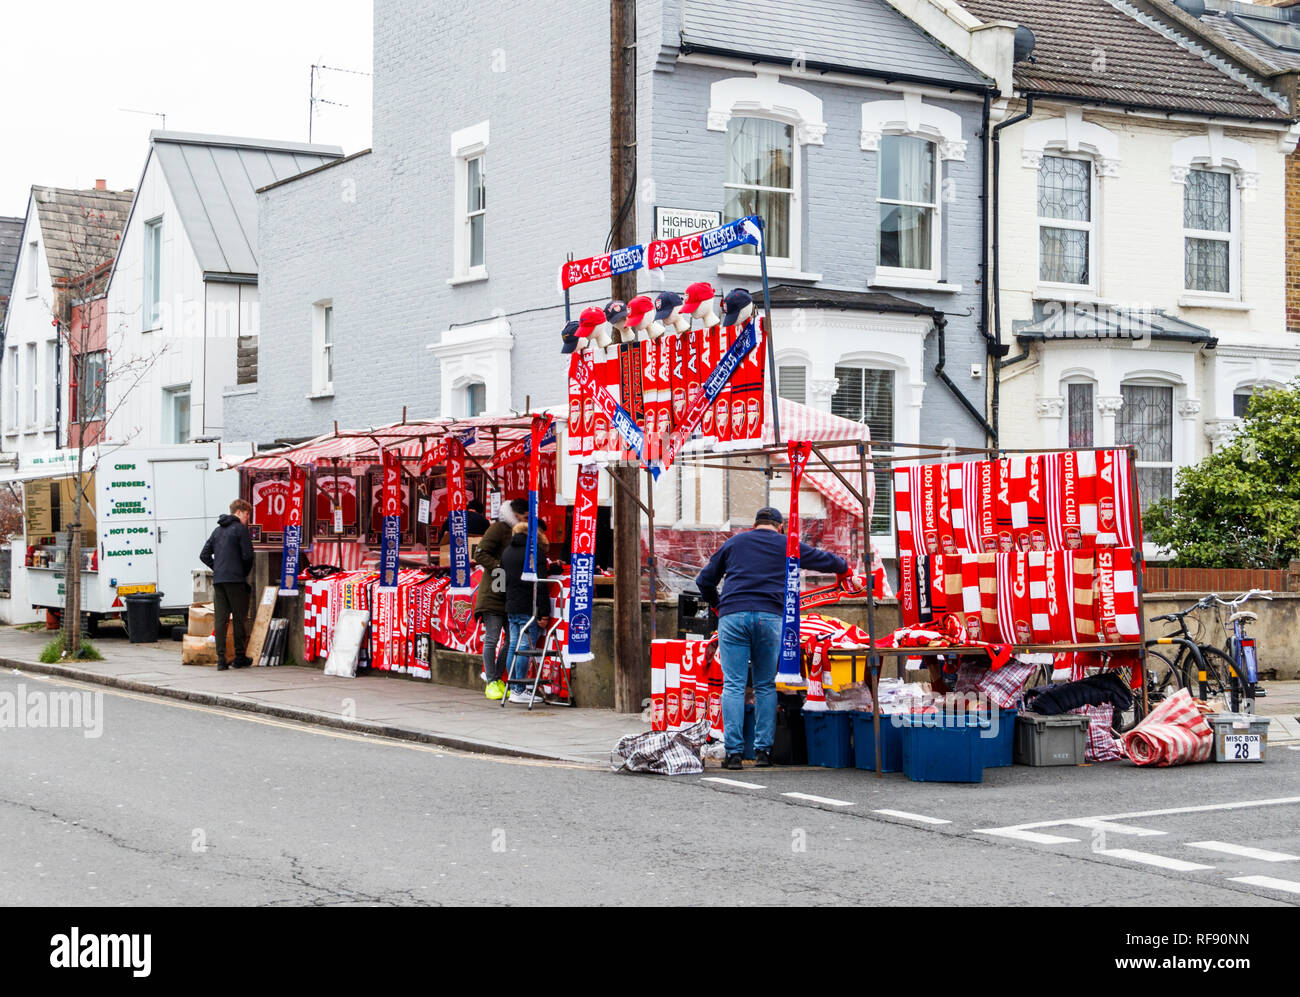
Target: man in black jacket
{"x":229,"y":553}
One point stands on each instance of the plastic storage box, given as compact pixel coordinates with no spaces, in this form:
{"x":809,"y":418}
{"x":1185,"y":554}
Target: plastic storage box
{"x":1057,"y":740}
{"x":1239,"y":737}
{"x":830,"y":738}
{"x":864,"y":743}
{"x":943,"y":748}
{"x":998,"y":747}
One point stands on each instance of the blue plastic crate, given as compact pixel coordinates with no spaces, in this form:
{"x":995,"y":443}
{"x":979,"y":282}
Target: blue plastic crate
{"x":830,"y":738}
{"x":864,"y":743}
{"x":942,"y":748}
{"x":999,"y":749}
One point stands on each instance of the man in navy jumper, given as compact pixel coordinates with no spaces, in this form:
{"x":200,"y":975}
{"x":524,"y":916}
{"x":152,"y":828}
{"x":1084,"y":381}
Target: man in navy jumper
{"x":749,"y":624}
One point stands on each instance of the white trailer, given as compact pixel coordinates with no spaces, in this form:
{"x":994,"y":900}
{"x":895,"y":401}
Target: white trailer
{"x":146,"y":514}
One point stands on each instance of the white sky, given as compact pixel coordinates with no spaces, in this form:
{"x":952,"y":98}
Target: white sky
{"x":237,"y":67}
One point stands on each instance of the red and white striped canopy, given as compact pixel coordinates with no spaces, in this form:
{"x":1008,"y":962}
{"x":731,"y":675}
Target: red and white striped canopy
{"x":800,"y":422}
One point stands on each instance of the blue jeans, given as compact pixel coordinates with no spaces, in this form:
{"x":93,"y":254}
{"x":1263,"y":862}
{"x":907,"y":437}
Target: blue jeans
{"x":519,"y":663}
{"x":749,"y":643}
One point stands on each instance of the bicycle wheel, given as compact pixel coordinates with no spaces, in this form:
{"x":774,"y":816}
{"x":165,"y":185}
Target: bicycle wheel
{"x":1218,"y":687}
{"x":1162,"y":680}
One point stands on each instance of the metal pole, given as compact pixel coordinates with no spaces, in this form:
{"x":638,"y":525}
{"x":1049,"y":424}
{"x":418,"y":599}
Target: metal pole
{"x":771,"y":349}
{"x":651,"y":564}
{"x":871,"y":605}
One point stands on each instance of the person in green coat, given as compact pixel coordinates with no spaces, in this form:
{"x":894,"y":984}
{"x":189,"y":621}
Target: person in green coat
{"x":490,"y":600}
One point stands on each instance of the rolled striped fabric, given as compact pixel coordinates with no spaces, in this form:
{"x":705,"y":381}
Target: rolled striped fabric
{"x":1176,"y":733}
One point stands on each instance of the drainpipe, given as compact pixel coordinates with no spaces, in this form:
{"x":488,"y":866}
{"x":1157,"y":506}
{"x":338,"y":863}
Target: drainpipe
{"x":940,"y":328}
{"x":998,"y":348}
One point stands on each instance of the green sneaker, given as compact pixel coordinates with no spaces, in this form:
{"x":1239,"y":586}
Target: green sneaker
{"x":495,"y":690}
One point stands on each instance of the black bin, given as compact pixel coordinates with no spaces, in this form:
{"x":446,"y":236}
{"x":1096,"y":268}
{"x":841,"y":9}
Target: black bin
{"x":694,"y":616}
{"x":142,"y":617}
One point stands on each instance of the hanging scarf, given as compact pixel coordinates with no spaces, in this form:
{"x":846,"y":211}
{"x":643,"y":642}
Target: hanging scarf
{"x":458,"y":529}
{"x":788,"y":671}
{"x":688,"y":248}
{"x":390,"y":504}
{"x":623,"y":260}
{"x":534,"y":482}
{"x":293,"y":530}
{"x":712,"y":385}
{"x":580,"y":370}
{"x":583,"y":564}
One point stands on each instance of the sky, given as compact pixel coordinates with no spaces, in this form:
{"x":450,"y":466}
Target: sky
{"x":238,"y":67}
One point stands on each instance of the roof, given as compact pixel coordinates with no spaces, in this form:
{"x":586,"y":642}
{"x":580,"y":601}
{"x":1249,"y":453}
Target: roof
{"x":1071,"y":324}
{"x":1145,"y":67}
{"x":81,"y":229}
{"x":214,"y":179}
{"x":791,"y":296}
{"x":863,"y":36}
{"x":1271,"y":34}
{"x":11,"y":238}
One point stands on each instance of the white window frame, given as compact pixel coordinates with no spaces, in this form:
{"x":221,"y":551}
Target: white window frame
{"x":33,"y":407}
{"x":170,"y":396}
{"x":50,"y":416}
{"x":1092,"y":226}
{"x":1174,"y":438}
{"x":467,"y":400}
{"x":884,"y":493}
{"x":322,"y":320}
{"x":934,"y":272}
{"x":151,"y":283}
{"x":33,"y":268}
{"x":13,"y":397}
{"x":763,"y":95}
{"x":774,"y":263}
{"x":467,"y":144}
{"x":793,"y":364}
{"x":1066,"y":383}
{"x":99,"y":407}
{"x":1232,"y":237}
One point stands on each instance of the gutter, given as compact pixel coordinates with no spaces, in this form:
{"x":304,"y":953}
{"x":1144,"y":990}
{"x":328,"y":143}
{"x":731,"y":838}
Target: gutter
{"x":940,"y":327}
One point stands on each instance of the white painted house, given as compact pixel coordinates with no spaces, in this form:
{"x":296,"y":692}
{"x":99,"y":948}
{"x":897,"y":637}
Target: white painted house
{"x":184,"y":290}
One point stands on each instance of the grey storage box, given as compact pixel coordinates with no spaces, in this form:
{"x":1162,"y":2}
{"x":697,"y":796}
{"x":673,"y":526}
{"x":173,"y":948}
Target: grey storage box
{"x":1239,"y":737}
{"x":1058,"y":740}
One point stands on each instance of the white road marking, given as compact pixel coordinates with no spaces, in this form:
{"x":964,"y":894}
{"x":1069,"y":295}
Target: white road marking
{"x":1147,"y":858}
{"x":1020,"y":834}
{"x":1259,"y":854}
{"x":731,"y":782}
{"x":819,"y":799}
{"x":1096,"y":824}
{"x":1269,"y":883}
{"x":906,"y":816}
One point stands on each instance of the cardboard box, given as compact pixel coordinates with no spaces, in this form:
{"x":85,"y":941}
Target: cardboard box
{"x":197,"y":650}
{"x":201,"y":620}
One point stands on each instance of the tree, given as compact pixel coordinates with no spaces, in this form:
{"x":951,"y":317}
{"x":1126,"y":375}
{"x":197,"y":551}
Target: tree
{"x":1240,"y":506}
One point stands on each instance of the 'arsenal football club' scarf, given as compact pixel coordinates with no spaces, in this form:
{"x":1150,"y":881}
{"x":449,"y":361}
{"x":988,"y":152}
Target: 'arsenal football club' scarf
{"x":978,"y":503}
{"x":293,"y":530}
{"x":537,"y":430}
{"x":1114,"y":500}
{"x":713,"y":384}
{"x":390,"y":504}
{"x":601,"y":267}
{"x":457,"y":519}
{"x":1002,"y":503}
{"x":903,"y":514}
{"x":580,"y":370}
{"x":583,"y":564}
{"x":788,"y":670}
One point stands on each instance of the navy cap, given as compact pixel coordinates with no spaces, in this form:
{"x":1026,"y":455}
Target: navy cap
{"x":615,"y":311}
{"x":734,"y":303}
{"x":570,"y":336}
{"x":665,"y":303}
{"x":769,"y":516}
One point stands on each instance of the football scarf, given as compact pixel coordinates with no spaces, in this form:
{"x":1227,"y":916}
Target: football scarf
{"x":581,"y":371}
{"x":601,"y":267}
{"x":658,"y":684}
{"x":956,"y":474}
{"x":978,"y":503}
{"x":930,"y":500}
{"x":583,"y":564}
{"x":1001,"y":469}
{"x":988,"y":590}
{"x":1015,"y":607}
{"x":1040,"y":620}
{"x":677,"y":375}
{"x":293,"y":513}
{"x":713,"y":384}
{"x":788,"y":669}
{"x":391,"y":509}
{"x":710,"y":242}
{"x":1086,"y":464}
{"x":457,"y":518}
{"x":534,"y":482}
{"x":1082,"y":564}
{"x":903,"y":521}
{"x":692,"y":340}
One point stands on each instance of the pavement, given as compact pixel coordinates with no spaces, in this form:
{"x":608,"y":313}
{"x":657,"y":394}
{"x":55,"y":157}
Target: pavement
{"x":160,"y":801}
{"x":381,"y":705}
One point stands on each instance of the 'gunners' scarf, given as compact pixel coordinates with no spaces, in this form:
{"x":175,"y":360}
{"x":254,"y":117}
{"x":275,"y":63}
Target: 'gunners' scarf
{"x":293,"y":530}
{"x":688,"y":248}
{"x":601,"y":267}
{"x":534,"y":483}
{"x":583,"y":563}
{"x":581,"y":371}
{"x":390,"y":504}
{"x":788,"y":670}
{"x":713,"y":384}
{"x":458,"y":522}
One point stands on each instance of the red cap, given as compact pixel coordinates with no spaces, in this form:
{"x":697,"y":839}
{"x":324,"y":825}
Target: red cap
{"x":696,"y":294}
{"x":589,"y":319}
{"x":637,"y":308}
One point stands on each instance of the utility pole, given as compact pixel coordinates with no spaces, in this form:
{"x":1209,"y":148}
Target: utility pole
{"x":631,"y":676}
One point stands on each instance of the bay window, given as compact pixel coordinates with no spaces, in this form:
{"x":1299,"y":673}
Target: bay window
{"x":1079,"y":402}
{"x":1146,"y":421}
{"x":866,"y":395}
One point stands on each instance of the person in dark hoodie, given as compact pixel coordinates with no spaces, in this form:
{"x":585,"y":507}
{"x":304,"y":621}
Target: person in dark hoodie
{"x":490,"y":600}
{"x":522,"y":598}
{"x":749,"y":624}
{"x":229,"y":553}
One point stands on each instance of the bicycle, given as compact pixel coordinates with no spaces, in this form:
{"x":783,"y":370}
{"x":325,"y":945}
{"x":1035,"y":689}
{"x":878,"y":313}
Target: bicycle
{"x":1243,"y":671}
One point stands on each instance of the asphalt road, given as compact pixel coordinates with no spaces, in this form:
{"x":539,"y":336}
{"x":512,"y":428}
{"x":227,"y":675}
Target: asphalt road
{"x":177,"y":804}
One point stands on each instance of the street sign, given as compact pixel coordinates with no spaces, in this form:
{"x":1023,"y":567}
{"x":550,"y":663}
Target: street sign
{"x":673,"y":222}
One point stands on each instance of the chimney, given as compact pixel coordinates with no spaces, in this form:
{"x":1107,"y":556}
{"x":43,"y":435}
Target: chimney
{"x":101,"y":185}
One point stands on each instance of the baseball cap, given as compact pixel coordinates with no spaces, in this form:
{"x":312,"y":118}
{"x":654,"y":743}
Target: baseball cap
{"x":570,"y":337}
{"x":696,"y":294}
{"x":665,"y":303}
{"x":589,"y":319}
{"x":734,"y":303}
{"x":637,"y":307}
{"x":768,"y":515}
{"x":615,"y":312}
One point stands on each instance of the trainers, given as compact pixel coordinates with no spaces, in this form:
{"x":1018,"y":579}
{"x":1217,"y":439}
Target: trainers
{"x":732,"y":762}
{"x":762,"y":759}
{"x":495,"y":690}
{"x":524,"y":697}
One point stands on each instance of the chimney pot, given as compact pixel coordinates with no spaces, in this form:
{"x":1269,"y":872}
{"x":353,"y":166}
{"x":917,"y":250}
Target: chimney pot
{"x":101,"y":185}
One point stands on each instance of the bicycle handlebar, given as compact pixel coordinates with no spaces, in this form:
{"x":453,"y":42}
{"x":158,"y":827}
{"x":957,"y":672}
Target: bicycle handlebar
{"x":1244,"y":597}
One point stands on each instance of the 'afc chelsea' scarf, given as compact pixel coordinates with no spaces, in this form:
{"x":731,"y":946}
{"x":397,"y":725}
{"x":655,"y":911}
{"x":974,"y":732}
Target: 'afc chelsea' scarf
{"x":391,"y":506}
{"x":534,"y":477}
{"x":293,"y":530}
{"x":788,"y":669}
{"x":583,"y":563}
{"x":456,"y":517}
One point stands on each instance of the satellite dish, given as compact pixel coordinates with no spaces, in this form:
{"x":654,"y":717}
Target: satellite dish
{"x":1194,"y":7}
{"x":1024,"y":45}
